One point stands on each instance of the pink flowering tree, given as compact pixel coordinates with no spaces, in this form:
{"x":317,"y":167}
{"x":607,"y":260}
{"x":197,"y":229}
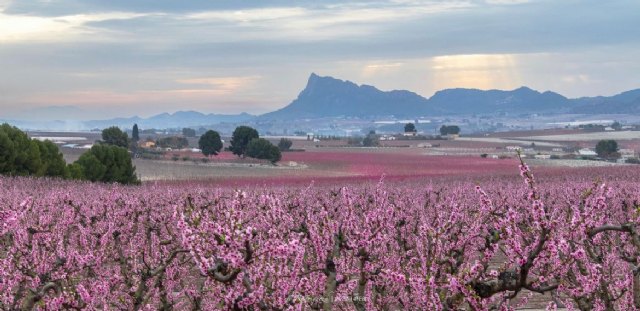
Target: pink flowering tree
{"x":494,"y":244}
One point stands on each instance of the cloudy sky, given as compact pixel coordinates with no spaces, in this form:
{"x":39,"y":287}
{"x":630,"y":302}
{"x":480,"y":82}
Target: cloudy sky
{"x":120,"y":57}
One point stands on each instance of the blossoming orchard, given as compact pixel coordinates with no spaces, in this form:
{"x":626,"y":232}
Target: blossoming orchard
{"x":413,"y":246}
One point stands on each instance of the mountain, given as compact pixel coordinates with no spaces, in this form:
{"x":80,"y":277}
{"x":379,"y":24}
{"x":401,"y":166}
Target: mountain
{"x":329,"y":97}
{"x":523,"y":99}
{"x":624,"y":103}
{"x":176,"y":120}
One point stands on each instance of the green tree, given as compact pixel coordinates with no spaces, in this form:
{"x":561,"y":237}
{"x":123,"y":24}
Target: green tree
{"x":187,"y":132}
{"x":53,"y":163}
{"x":261,"y":148}
{"x":114,"y":136}
{"x":616,"y":126}
{"x":26,"y":154}
{"x":607,"y":149}
{"x":284,"y":144}
{"x":135,"y":135}
{"x":409,"y":128}
{"x":75,"y":171}
{"x":105,"y":163}
{"x":8,"y":153}
{"x":240,"y":139}
{"x":371,"y":140}
{"x":22,"y":156}
{"x":447,"y":130}
{"x":210,"y":143}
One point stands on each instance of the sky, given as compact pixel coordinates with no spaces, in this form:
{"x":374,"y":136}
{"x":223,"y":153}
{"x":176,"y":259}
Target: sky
{"x":90,"y":59}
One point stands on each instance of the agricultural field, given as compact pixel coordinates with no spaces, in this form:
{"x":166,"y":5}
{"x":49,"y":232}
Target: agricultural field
{"x":416,"y":225}
{"x":559,"y":239}
{"x":330,"y":161}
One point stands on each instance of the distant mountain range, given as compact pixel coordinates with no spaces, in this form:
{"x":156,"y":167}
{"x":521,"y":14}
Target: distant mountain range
{"x":325,"y":97}
{"x":161,"y":121}
{"x":175,"y":120}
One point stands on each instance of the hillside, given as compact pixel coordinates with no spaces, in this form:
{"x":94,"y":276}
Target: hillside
{"x":329,"y":97}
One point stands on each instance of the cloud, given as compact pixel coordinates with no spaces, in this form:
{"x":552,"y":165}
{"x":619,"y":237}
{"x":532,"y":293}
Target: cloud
{"x":150,"y":54}
{"x":508,"y":2}
{"x":481,"y":71}
{"x":24,"y":28}
{"x":219,"y":85}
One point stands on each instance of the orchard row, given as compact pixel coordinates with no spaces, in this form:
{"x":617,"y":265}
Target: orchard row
{"x":432,"y":246}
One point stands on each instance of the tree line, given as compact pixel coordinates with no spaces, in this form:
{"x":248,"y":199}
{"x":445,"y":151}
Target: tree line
{"x":107,"y":162}
{"x":245,"y":142}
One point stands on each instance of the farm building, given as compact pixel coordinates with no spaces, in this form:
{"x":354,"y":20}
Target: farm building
{"x":627,"y":153}
{"x":147,"y":144}
{"x":586,"y":152}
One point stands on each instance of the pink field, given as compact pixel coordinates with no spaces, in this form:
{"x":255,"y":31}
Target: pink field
{"x":351,"y":166}
{"x":396,"y":164}
{"x":494,"y":242}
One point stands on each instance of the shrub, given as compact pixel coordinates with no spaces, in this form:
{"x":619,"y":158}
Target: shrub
{"x":106,"y":163}
{"x":173,"y":142}
{"x":261,"y":148}
{"x":285,"y":144}
{"x":633,"y":161}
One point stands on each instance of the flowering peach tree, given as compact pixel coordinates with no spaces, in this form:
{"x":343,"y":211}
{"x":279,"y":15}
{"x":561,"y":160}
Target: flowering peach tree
{"x":491,"y":245}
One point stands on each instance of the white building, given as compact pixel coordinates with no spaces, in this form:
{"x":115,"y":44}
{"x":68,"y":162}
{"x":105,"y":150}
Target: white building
{"x":627,"y":153}
{"x":586,"y":152}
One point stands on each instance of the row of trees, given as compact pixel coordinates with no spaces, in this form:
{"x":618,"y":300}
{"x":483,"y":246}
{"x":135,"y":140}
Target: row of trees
{"x":109,"y":160}
{"x":106,"y":162}
{"x":245,"y":141}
